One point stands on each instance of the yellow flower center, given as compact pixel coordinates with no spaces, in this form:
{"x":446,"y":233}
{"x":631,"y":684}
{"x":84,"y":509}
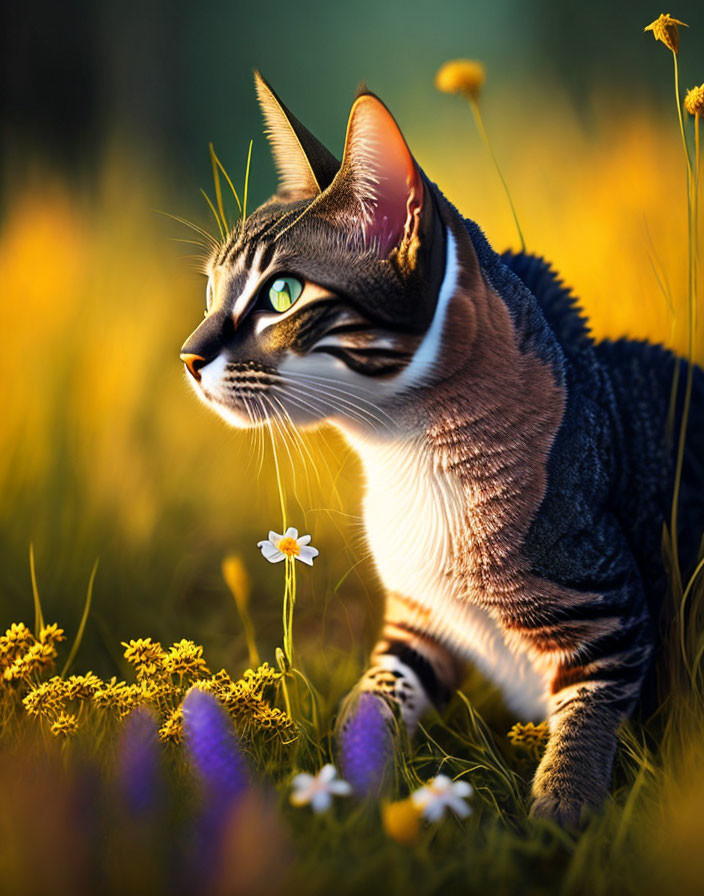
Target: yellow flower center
{"x":289,"y":546}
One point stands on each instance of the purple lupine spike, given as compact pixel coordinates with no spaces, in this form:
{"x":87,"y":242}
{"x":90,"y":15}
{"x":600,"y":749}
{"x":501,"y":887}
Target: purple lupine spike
{"x":138,"y":762}
{"x":366,"y":746}
{"x":213,"y":747}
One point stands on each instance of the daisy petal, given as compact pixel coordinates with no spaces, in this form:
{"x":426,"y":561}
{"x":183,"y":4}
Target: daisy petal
{"x":327,"y":773}
{"x":268,"y":549}
{"x":289,"y":533}
{"x":307,"y":555}
{"x":434,"y":811}
{"x":339,"y":788}
{"x":459,"y":807}
{"x":304,"y":539}
{"x":321,"y":801}
{"x":275,"y":538}
{"x":302,"y":779}
{"x":462,"y":788}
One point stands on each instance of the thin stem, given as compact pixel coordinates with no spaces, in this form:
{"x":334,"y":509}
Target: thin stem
{"x":679,"y":115}
{"x":246,"y":182}
{"x":691,"y":234}
{"x":485,"y":137}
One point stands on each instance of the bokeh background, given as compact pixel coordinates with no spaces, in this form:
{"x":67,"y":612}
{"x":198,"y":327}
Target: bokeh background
{"x":106,"y":113}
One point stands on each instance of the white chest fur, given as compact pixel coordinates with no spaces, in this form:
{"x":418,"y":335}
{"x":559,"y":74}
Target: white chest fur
{"x":412,"y":514}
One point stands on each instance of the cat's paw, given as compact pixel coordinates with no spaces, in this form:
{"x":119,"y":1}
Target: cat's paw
{"x":565,"y":812}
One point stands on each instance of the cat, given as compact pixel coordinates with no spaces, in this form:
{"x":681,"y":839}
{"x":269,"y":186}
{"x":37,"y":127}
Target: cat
{"x":517,"y":472}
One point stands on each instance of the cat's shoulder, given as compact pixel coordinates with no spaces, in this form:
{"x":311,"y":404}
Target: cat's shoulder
{"x":557,"y":301}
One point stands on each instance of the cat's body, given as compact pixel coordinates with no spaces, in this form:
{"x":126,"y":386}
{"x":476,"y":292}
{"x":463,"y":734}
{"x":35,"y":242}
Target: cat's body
{"x":517,"y":474}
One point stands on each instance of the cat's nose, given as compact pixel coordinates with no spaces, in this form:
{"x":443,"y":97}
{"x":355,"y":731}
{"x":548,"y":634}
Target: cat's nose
{"x":193,"y":364}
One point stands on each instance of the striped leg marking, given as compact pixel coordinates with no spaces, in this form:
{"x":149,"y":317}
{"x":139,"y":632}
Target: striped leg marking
{"x":412,"y":670}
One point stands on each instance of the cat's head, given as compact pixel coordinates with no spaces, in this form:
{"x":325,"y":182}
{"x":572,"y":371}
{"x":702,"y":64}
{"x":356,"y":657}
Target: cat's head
{"x":321,"y":304}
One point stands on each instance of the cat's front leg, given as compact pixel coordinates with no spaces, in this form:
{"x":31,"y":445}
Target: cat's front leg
{"x":408,"y":668}
{"x":575,"y":771}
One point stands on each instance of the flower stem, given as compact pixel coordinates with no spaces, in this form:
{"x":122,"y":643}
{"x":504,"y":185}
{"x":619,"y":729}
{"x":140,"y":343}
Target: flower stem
{"x":485,"y":137}
{"x":692,"y":188}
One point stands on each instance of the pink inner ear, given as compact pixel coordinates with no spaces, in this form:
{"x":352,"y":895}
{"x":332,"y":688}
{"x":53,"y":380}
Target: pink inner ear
{"x":398,"y":190}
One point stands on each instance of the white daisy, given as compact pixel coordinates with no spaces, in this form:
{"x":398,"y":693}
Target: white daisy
{"x":279,"y":547}
{"x":442,"y":793}
{"x":318,"y":790}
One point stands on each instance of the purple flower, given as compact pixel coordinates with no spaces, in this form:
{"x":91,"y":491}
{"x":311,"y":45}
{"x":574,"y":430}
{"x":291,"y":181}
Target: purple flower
{"x":213,"y":748}
{"x":138,"y":762}
{"x":366,"y":746}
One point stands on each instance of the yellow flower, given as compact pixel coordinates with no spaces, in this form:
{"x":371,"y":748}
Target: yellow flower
{"x":401,"y":820}
{"x":82,"y":687}
{"x":465,"y":76}
{"x":694,"y":101}
{"x":46,"y":698}
{"x":237,"y":579}
{"x":665,"y":29}
{"x":37,"y":658}
{"x":16,"y":641}
{"x":186,"y":658}
{"x":145,"y":655}
{"x":172,"y":729}
{"x":51,"y":634}
{"x":65,"y":726}
{"x":529,"y":738}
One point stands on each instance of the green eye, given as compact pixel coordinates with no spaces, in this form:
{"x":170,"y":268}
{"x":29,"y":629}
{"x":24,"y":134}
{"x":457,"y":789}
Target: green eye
{"x":283,"y":292}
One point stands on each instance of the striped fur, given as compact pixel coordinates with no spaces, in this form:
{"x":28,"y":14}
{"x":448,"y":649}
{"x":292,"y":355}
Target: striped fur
{"x":516,"y":473}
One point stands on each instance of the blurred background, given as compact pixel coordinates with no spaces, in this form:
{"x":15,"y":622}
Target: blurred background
{"x":106,"y":111}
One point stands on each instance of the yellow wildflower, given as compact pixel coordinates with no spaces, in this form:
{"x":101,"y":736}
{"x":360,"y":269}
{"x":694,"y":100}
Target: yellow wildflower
{"x":145,"y":655}
{"x":37,"y":658}
{"x":694,"y":101}
{"x":465,"y":76}
{"x":82,"y":687}
{"x":46,"y":698}
{"x":16,"y":641}
{"x":665,"y":29}
{"x":65,"y":726}
{"x":529,"y":738}
{"x":401,"y":820}
{"x":172,"y":729}
{"x":51,"y":634}
{"x":186,"y":658}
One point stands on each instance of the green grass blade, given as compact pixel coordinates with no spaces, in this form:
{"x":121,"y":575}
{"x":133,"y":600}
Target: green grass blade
{"x":218,"y":191}
{"x":215,"y":214}
{"x":246,"y":181}
{"x":38,"y":615}
{"x":220,"y":165}
{"x":84,"y":619}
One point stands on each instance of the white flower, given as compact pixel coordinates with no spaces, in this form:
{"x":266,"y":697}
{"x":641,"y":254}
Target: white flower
{"x":442,"y":793}
{"x":279,"y":547}
{"x":318,"y":790}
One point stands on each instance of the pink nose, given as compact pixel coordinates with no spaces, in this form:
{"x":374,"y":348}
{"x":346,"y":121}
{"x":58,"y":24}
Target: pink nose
{"x":194,"y":364}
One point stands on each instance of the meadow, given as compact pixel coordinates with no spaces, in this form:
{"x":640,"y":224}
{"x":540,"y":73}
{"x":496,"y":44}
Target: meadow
{"x":105,"y":454}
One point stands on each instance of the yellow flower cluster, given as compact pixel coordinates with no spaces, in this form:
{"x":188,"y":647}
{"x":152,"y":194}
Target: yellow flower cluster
{"x":22,"y":656}
{"x":164,"y":677}
{"x":694,"y":101}
{"x":665,"y":29}
{"x":465,"y":76}
{"x":530,"y":739}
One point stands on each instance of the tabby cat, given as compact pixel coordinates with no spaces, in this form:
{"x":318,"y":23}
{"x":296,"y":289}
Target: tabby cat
{"x":517,"y":472}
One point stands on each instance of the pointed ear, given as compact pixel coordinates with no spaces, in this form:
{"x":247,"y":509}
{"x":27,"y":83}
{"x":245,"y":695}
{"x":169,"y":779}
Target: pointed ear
{"x":378,"y":182}
{"x":304,"y":165}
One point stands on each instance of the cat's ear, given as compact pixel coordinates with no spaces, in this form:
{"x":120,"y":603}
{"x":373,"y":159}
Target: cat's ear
{"x":378,"y":182}
{"x":304,"y":165}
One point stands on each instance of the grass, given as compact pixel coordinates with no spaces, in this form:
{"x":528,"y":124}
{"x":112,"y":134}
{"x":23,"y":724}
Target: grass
{"x":104,"y":453}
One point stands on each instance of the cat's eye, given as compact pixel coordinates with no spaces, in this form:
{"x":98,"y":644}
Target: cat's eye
{"x":283,"y":292}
